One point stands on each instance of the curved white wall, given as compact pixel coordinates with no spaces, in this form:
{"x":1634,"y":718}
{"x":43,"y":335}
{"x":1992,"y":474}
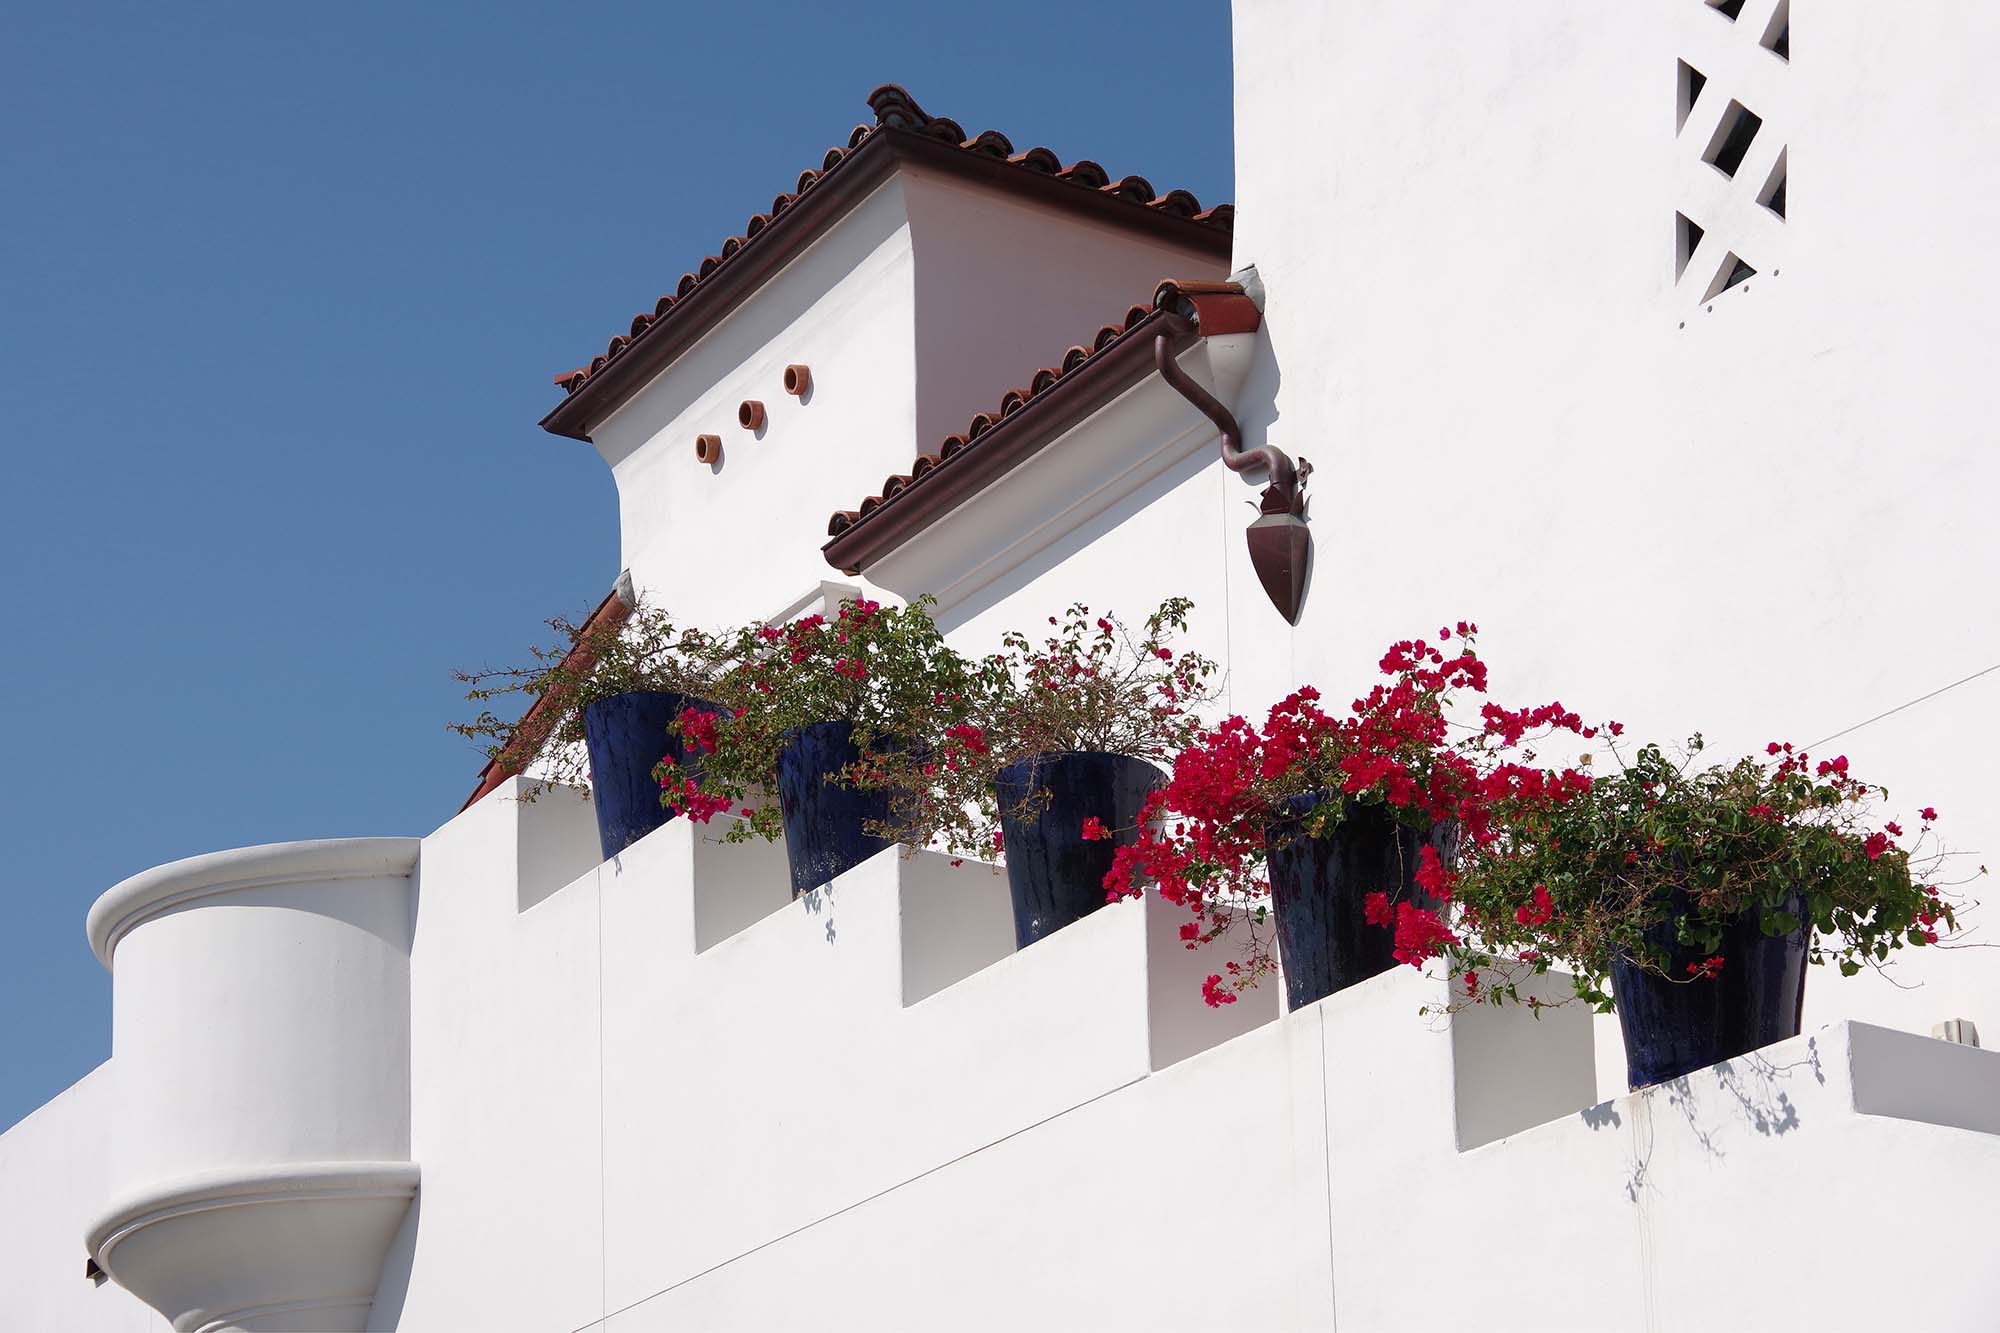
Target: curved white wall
{"x":261,"y":1049}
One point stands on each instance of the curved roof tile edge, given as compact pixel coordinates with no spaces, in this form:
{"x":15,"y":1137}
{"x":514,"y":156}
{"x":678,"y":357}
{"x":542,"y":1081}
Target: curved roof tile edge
{"x":1211,"y":308}
{"x":895,"y":109}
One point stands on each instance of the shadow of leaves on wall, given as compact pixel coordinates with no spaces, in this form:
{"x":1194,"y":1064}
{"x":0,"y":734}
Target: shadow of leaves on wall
{"x":819,"y":902}
{"x":1750,"y":1091}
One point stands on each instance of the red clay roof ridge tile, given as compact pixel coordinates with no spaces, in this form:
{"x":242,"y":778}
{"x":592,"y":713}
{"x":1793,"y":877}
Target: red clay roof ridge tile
{"x":1213,"y":307}
{"x":895,"y":109}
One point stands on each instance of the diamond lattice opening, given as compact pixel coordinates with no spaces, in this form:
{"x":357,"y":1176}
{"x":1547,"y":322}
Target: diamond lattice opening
{"x":1777,"y":37}
{"x":1772,"y":196}
{"x":1689,"y":83}
{"x":1733,"y":137}
{"x":1687,"y":235}
{"x":1731,"y":272}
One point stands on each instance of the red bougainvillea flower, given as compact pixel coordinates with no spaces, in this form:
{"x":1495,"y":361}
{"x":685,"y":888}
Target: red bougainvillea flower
{"x":1927,"y":814}
{"x":968,"y":737}
{"x":688,"y":797}
{"x":1094,"y":830}
{"x":697,"y":730}
{"x":1540,"y":912}
{"x":1201,"y":838}
{"x":1705,"y":970}
{"x":1420,"y":935}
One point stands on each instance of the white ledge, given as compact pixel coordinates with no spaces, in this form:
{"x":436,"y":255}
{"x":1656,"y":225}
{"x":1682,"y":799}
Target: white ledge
{"x":211,"y":1190}
{"x":319,"y":861}
{"x":258,"y":1247}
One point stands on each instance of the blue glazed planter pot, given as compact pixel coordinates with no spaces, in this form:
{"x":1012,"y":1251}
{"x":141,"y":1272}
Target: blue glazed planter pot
{"x":825,"y":821}
{"x":627,"y":736}
{"x":1318,"y":888}
{"x":1055,"y":875}
{"x":1674,"y":1027}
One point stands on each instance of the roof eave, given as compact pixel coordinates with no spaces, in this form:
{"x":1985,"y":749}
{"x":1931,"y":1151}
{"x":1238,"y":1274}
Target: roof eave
{"x":842,"y":186}
{"x":1044,"y":419}
{"x":514,"y":760}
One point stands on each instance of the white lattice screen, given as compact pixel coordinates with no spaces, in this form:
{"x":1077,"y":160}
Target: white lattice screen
{"x":1731,"y":111}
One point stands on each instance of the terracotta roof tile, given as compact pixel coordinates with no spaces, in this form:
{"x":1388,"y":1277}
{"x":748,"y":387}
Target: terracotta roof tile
{"x":896,"y":109}
{"x":1220,"y":298}
{"x":530,"y":731}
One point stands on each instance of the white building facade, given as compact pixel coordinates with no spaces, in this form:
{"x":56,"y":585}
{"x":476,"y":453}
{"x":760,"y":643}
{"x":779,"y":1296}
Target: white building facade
{"x":1527,"y":286}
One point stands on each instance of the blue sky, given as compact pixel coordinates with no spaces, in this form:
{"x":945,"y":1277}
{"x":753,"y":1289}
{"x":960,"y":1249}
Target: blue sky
{"x":281,"y":290}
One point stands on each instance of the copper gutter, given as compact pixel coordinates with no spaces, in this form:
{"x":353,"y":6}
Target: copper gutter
{"x":1280,"y":541}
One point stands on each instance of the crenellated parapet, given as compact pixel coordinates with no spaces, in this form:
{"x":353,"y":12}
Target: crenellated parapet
{"x":659,"y":1092}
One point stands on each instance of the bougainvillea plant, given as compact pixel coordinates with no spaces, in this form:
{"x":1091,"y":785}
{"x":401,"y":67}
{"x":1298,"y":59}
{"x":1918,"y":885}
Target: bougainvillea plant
{"x":1785,"y":839}
{"x":885,"y":669}
{"x":1089,"y":684}
{"x":1396,"y":748}
{"x":587,"y":662}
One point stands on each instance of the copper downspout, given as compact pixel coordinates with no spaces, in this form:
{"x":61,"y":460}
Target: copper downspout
{"x":1280,"y":541}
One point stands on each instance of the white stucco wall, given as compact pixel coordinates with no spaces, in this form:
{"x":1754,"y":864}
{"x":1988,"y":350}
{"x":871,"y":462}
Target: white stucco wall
{"x":921,"y":306}
{"x":1764,"y":521}
{"x":663,"y":1096}
{"x":1005,"y":287}
{"x":741,"y":539}
{"x":655,"y":1093}
{"x":54,"y":1176}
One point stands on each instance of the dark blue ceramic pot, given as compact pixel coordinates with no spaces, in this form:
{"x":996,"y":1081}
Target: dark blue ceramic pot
{"x":1055,"y":874}
{"x":1319,"y":886}
{"x":627,"y":737}
{"x":825,"y":820}
{"x":1676,"y":1024}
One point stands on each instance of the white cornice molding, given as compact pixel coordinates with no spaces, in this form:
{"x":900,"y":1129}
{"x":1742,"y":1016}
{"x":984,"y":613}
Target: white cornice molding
{"x":212,"y":1250}
{"x":319,"y":861}
{"x":1115,"y":452}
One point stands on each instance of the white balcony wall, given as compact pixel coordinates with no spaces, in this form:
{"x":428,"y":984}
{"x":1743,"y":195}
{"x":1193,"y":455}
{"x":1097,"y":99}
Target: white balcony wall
{"x":1765,"y":520}
{"x":866,"y":1109}
{"x":54,"y":1176}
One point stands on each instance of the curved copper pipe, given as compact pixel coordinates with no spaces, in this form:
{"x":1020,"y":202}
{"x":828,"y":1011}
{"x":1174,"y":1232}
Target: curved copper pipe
{"x":1280,"y":542}
{"x":1282,"y":495}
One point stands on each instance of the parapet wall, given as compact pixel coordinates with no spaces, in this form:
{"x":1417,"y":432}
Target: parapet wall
{"x":664,"y":1096}
{"x":656,"y":1093}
